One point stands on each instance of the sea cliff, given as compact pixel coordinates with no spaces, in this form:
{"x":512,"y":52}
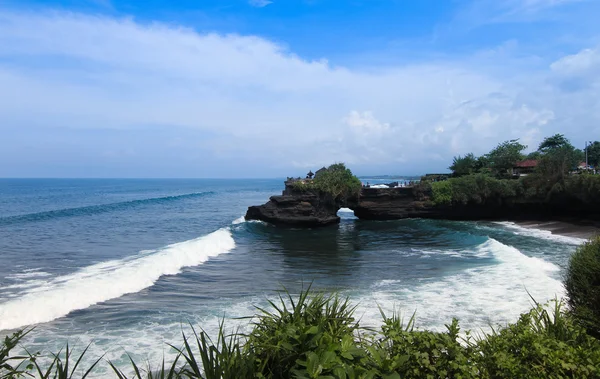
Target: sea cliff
{"x":314,"y":208}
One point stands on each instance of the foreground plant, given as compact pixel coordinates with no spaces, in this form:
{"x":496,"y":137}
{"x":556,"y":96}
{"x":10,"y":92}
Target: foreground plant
{"x":311,"y":337}
{"x":8,"y":369}
{"x":582,"y":283}
{"x":541,"y":344}
{"x":316,"y":336}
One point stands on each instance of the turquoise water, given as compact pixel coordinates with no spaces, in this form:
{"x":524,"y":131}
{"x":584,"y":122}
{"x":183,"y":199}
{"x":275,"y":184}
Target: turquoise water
{"x":125,"y":264}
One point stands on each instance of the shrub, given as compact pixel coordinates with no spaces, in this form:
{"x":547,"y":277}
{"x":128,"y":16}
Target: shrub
{"x":476,"y":189}
{"x":540,"y":345}
{"x":316,"y":336}
{"x":309,"y":337}
{"x":412,"y":353}
{"x":582,"y":283}
{"x":441,"y":193}
{"x":8,"y":369}
{"x":337,"y":181}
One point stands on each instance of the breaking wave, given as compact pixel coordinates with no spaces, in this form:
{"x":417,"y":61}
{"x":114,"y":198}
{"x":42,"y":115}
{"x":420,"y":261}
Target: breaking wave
{"x":94,"y":284}
{"x":95,"y":209}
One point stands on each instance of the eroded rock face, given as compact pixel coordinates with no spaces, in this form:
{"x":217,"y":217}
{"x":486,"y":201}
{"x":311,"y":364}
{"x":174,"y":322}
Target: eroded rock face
{"x":390,"y":204}
{"x":301,"y":209}
{"x":297,"y":209}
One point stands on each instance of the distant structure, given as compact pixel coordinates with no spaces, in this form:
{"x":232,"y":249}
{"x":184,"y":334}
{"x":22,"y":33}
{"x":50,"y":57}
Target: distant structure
{"x":525,"y":167}
{"x":310,"y":175}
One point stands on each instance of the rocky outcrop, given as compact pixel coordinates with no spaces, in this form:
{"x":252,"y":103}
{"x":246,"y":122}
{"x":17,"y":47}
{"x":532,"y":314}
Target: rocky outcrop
{"x":310,"y":209}
{"x":390,"y":204}
{"x":305,"y":209}
{"x":298,"y":209}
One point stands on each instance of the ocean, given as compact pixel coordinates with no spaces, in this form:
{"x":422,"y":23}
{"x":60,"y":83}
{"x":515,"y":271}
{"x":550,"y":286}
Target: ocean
{"x":127,"y":265}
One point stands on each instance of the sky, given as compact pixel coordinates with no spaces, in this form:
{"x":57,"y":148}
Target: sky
{"x":274,"y":88}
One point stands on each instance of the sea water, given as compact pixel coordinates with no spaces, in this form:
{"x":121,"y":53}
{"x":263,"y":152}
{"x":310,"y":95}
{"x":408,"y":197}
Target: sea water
{"x":128,"y":265}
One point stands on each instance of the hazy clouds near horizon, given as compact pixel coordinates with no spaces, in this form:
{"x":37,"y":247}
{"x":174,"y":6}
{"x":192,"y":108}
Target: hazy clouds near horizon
{"x":88,"y":94}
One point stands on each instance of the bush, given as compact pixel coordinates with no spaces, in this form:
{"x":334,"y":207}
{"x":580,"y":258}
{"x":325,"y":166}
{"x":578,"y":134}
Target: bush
{"x":309,"y":337}
{"x":316,"y":336}
{"x":476,"y":189}
{"x":540,"y":345}
{"x":582,"y":283}
{"x":412,"y":353}
{"x":441,"y":193}
{"x":337,"y":181}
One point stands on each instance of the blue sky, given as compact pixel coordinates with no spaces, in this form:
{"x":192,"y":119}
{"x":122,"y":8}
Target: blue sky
{"x":157,"y":88}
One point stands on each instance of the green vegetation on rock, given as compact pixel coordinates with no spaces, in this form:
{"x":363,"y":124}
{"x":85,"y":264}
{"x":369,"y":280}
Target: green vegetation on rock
{"x":489,"y":179}
{"x":582,"y":283}
{"x":337,"y":181}
{"x":442,"y":193}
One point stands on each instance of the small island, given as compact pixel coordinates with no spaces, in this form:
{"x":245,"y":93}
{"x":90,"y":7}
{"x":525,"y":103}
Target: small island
{"x":552,"y":183}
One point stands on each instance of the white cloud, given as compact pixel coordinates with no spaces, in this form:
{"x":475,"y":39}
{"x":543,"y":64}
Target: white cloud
{"x":250,"y":97}
{"x":259,"y":3}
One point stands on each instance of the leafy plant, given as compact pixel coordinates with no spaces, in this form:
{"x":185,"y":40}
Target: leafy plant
{"x":410,"y":353}
{"x":540,"y":345}
{"x":504,"y":156}
{"x":464,"y":165}
{"x":7,"y":367}
{"x":310,"y":337}
{"x":337,"y":181}
{"x":315,"y":335}
{"x":582,"y":283}
{"x":442,"y":193}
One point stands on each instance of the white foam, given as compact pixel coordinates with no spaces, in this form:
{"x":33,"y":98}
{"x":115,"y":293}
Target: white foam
{"x":109,"y":280}
{"x":345,"y":210}
{"x":480,"y":296}
{"x":380,"y":186}
{"x":239,"y":220}
{"x":28,"y":274}
{"x":542,"y":234}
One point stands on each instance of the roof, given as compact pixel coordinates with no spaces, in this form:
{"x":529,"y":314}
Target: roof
{"x":527,"y":163}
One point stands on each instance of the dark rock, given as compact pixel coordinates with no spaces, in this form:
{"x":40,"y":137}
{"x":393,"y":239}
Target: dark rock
{"x":305,"y":209}
{"x":389,"y":204}
{"x":298,"y":209}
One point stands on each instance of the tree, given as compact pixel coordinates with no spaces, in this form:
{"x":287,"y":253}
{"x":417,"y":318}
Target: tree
{"x":559,"y":157}
{"x":464,"y":165}
{"x":555,"y":142}
{"x":535,"y":155}
{"x":504,"y":156}
{"x":594,"y":153}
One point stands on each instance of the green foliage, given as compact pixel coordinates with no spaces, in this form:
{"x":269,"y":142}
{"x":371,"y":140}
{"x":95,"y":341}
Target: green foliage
{"x":594,"y":153}
{"x":582,"y":283}
{"x":584,"y":187}
{"x":504,"y":156}
{"x":8,"y":369}
{"x":557,"y":141}
{"x":476,"y":189}
{"x":540,"y":345}
{"x":315,"y":336}
{"x":60,"y":366}
{"x":413,"y":353}
{"x":464,"y":165}
{"x":311,"y":337}
{"x":535,"y":155}
{"x":337,"y":181}
{"x":442,"y":193}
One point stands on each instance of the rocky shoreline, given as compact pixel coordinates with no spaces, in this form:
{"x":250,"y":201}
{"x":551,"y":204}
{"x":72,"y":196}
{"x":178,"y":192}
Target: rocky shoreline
{"x":296,"y":208}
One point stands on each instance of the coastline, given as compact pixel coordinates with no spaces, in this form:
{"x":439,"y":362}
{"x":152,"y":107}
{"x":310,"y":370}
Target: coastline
{"x":584,"y":229}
